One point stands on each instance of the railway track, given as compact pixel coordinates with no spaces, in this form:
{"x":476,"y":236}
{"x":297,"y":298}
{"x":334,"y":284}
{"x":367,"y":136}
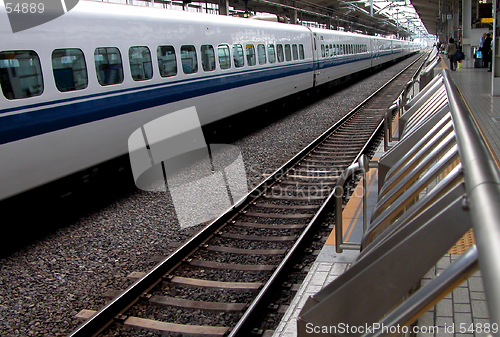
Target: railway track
{"x":219,"y":283}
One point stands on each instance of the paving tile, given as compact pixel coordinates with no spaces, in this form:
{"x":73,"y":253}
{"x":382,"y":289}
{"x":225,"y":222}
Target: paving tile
{"x":461,"y":295}
{"x":338,"y":268}
{"x":425,"y":334}
{"x":464,"y":318}
{"x":462,"y":307}
{"x":426,"y":319}
{"x":319,"y":278}
{"x":323,"y":266}
{"x":476,"y":295}
{"x":480,"y":309}
{"x":443,"y":263}
{"x":476,"y":284}
{"x":444,"y":308}
{"x":444,"y":321}
{"x":444,"y":334}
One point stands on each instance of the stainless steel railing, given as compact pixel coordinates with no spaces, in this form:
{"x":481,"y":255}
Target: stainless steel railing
{"x":436,"y":183}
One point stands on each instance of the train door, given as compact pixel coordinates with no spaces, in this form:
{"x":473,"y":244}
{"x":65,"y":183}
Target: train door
{"x":318,"y":47}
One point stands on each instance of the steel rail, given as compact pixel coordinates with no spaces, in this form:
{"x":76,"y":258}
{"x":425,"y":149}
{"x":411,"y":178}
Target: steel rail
{"x":117,"y":306}
{"x":258,"y":304}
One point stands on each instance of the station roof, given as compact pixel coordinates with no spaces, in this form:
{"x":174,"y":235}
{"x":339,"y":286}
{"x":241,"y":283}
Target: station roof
{"x":388,"y":17}
{"x":398,"y":18}
{"x":351,"y":14}
{"x":428,"y":11}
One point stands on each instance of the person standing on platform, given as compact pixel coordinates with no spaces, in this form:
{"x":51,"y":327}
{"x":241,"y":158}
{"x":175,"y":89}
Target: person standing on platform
{"x":451,"y":49}
{"x":486,"y":51}
{"x":481,"y":41}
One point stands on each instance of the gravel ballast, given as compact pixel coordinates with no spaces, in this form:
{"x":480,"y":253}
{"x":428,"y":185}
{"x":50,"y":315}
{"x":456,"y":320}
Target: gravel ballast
{"x":44,"y":284}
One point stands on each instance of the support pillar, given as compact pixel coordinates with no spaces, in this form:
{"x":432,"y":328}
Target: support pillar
{"x":466,"y":34}
{"x":293,"y":17}
{"x":495,"y":57}
{"x":223,"y":7}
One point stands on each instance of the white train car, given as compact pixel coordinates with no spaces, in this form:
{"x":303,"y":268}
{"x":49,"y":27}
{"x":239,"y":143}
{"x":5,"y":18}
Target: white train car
{"x":88,"y":79}
{"x":339,"y":54}
{"x":75,"y":88}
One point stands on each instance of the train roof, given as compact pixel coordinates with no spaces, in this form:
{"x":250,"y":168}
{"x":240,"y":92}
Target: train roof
{"x":93,"y":11}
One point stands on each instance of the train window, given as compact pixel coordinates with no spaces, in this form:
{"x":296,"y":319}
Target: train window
{"x":327,"y":51}
{"x":108,"y":65}
{"x":295,"y":52}
{"x":281,"y":56}
{"x":70,"y":69}
{"x":261,"y":53}
{"x":207,"y":57}
{"x":189,"y":59}
{"x":270,"y":53}
{"x":288,"y":52}
{"x":20,"y":74}
{"x":167,"y":61}
{"x":301,"y":52}
{"x":224,"y":57}
{"x":239,"y":60}
{"x":331,"y":50}
{"x":140,"y":63}
{"x":323,"y":53}
{"x":250,"y":51}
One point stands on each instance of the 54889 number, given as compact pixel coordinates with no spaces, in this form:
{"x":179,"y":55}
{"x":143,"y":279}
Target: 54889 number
{"x":25,"y":7}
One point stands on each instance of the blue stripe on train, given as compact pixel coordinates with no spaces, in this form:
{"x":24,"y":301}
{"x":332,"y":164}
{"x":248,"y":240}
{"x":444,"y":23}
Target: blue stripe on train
{"x":74,"y":111}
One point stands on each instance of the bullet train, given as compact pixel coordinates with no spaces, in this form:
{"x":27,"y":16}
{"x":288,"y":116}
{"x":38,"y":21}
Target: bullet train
{"x":75,"y":88}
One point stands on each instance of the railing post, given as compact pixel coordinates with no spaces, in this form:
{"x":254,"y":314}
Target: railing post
{"x":361,"y":166}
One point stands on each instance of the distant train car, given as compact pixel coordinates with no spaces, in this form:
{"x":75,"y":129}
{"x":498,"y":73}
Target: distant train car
{"x":75,"y":88}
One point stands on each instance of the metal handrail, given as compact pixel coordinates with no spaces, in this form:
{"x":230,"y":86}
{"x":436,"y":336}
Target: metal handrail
{"x":482,"y":181}
{"x":467,"y":196}
{"x":482,"y":186}
{"x":429,"y":295}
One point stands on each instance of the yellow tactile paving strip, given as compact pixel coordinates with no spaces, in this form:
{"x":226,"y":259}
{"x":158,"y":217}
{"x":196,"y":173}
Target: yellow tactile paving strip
{"x":463,"y":244}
